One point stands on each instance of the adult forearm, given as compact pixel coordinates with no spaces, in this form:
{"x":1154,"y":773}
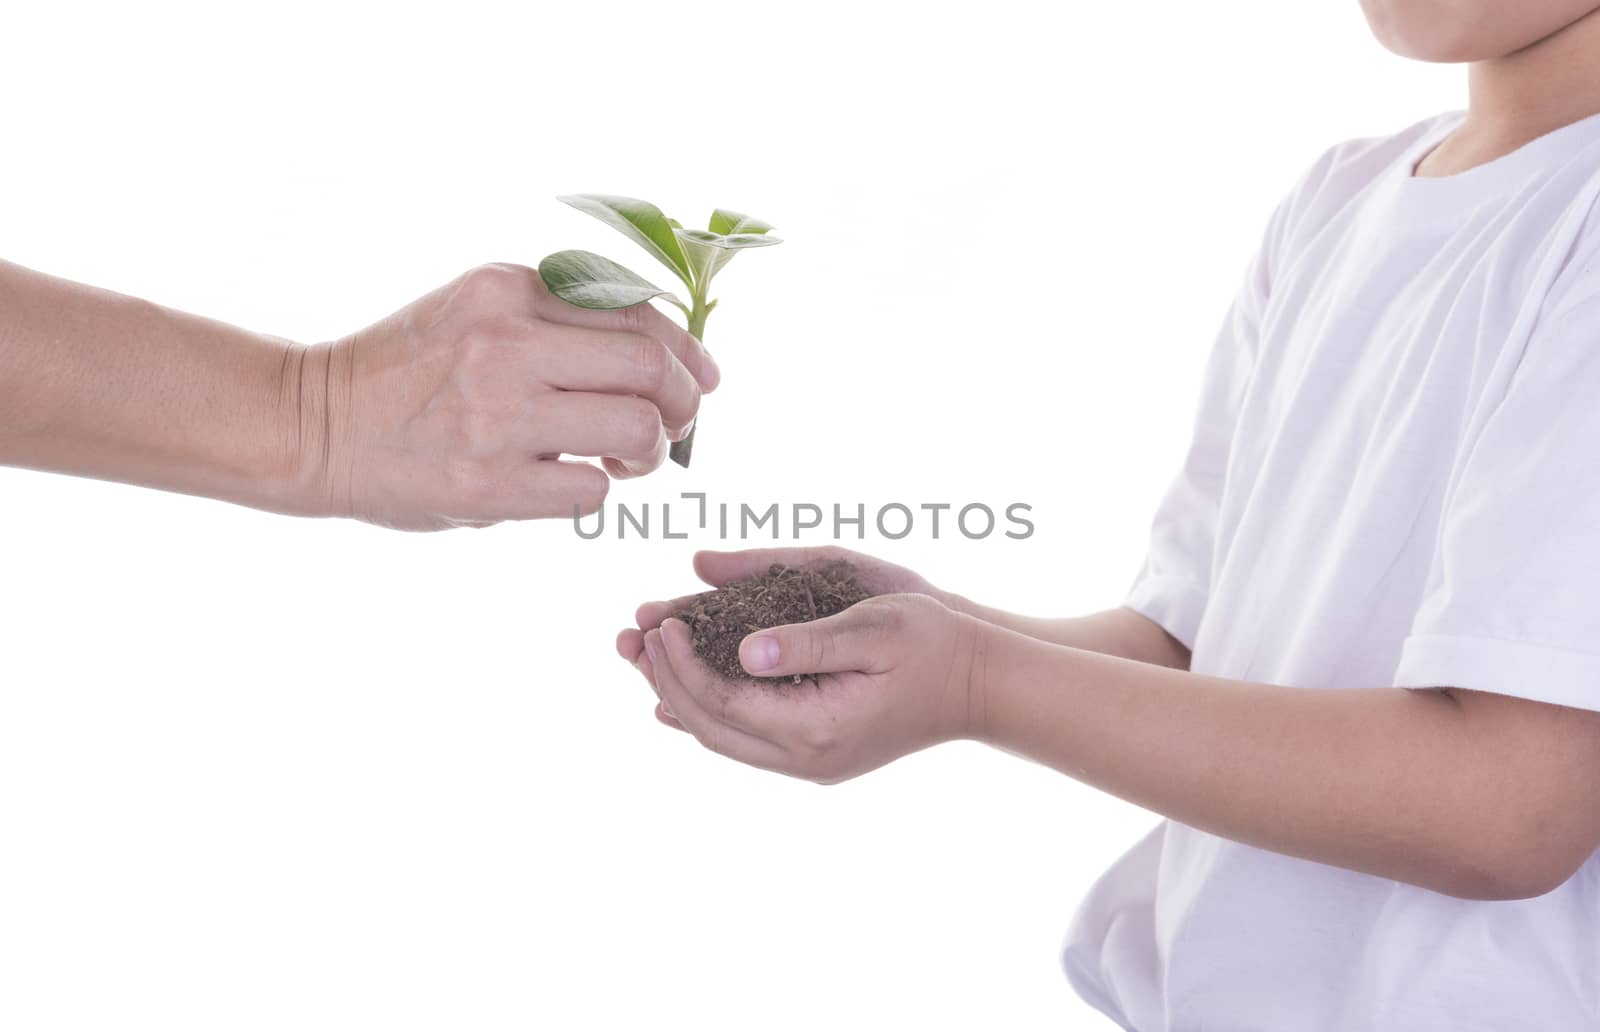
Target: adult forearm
{"x":1422,"y":787}
{"x":97,"y":384}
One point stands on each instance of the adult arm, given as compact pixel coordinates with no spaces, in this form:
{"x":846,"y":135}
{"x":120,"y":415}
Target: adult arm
{"x":454,"y":410}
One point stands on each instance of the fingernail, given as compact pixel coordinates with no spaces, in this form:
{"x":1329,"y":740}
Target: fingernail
{"x":710,"y":375}
{"x":668,"y":710}
{"x":759,"y":653}
{"x":650,"y":649}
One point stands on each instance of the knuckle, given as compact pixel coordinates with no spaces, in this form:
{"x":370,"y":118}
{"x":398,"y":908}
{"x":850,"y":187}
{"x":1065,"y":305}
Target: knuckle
{"x":652,"y":362}
{"x":682,"y":342}
{"x":821,"y":650}
{"x":914,"y":605}
{"x":692,"y":401}
{"x":639,"y":426}
{"x":638,"y":319}
{"x":883,"y":615}
{"x":492,"y":285}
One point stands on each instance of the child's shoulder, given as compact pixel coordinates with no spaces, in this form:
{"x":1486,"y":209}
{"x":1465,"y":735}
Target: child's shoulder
{"x":1341,"y":173}
{"x":1346,"y":168}
{"x":1364,"y":157}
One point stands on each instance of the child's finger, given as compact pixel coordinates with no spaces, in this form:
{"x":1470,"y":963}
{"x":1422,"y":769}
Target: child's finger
{"x":630,"y":644}
{"x":719,"y":568}
{"x":668,"y":719}
{"x":651,"y":614}
{"x":744,"y":707}
{"x":647,"y":670}
{"x":855,"y":639}
{"x":715,"y":735}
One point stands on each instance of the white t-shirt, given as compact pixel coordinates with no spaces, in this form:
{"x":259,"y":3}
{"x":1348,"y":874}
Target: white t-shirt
{"x":1394,"y":480}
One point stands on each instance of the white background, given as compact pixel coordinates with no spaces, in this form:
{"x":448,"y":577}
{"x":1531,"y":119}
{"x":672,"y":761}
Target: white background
{"x":260,"y":773}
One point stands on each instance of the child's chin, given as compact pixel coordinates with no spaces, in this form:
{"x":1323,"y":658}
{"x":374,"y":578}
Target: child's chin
{"x":1437,"y":53}
{"x":1459,"y":33}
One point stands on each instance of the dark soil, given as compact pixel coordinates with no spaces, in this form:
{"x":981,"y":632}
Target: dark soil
{"x":720,"y":619}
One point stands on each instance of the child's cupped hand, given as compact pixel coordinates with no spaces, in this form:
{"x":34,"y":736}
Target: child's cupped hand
{"x":892,"y":674}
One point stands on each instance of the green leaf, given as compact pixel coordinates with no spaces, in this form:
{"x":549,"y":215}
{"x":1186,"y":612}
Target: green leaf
{"x":590,"y":281}
{"x":728,"y":223}
{"x":708,"y":252}
{"x":641,"y":222}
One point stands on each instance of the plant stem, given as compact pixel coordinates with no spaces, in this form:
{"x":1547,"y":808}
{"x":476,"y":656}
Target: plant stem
{"x":697,"y":318}
{"x":697,"y":327}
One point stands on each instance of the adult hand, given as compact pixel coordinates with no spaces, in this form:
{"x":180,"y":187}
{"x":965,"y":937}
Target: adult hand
{"x":455,"y":410}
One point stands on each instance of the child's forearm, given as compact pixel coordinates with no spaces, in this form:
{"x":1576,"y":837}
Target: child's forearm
{"x":1468,"y":794}
{"x":101,"y":385}
{"x":1114,"y":632}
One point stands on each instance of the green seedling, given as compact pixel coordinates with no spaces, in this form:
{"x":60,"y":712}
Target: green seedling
{"x":695,"y":256}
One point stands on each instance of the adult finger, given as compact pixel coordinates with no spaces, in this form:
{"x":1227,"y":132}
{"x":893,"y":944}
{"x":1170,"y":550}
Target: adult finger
{"x":618,"y":471}
{"x":624,"y":428}
{"x":576,"y":358}
{"x":856,"y":639}
{"x":645,"y":319}
{"x":527,"y":490}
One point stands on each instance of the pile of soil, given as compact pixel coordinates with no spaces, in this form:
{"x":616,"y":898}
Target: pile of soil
{"x":720,"y":619}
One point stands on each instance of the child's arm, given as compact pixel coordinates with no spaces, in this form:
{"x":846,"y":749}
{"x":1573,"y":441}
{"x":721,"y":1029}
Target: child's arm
{"x":1466,"y":793}
{"x":1119,"y":632}
{"x":1469,"y":794}
{"x":1116,"y":632}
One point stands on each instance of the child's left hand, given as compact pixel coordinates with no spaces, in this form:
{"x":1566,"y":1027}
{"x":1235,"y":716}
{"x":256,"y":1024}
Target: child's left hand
{"x":893,"y":676}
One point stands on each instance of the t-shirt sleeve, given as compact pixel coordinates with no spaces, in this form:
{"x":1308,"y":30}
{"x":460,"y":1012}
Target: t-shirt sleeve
{"x":1512,"y":601}
{"x":1174,"y":582}
{"x":1172,"y":586}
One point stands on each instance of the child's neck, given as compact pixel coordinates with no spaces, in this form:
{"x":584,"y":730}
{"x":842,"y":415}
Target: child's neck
{"x":1520,"y":97}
